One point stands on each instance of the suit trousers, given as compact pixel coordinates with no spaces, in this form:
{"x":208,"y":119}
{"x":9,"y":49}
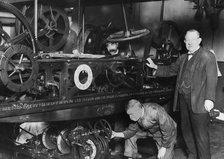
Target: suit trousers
{"x":131,"y":149}
{"x":195,"y":129}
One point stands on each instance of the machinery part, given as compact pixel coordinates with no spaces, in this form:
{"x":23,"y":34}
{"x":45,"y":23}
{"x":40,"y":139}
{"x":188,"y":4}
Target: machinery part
{"x":127,"y":35}
{"x":18,"y":68}
{"x":90,"y":148}
{"x":104,"y":128}
{"x":166,"y":41}
{"x":113,"y":75}
{"x":4,"y":38}
{"x":92,"y":39}
{"x":100,"y":146}
{"x":87,"y":39}
{"x":26,"y":34}
{"x":63,"y":143}
{"x":53,"y":27}
{"x":49,"y":138}
{"x":117,"y":75}
{"x":105,"y":146}
{"x":166,"y":32}
{"x":83,"y":77}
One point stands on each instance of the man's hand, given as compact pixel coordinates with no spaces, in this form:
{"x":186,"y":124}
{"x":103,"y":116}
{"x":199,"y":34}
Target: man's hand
{"x":113,"y":135}
{"x":117,"y":134}
{"x":161,"y":153}
{"x":151,"y":64}
{"x":209,"y":105}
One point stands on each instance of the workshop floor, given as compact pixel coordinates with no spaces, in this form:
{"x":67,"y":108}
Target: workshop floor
{"x":216,"y":143}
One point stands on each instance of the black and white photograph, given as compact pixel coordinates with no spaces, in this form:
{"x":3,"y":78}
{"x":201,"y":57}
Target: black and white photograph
{"x":111,"y":79}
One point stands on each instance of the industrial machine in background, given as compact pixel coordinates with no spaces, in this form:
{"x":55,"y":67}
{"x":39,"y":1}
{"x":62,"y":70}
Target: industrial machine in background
{"x":59,"y":101}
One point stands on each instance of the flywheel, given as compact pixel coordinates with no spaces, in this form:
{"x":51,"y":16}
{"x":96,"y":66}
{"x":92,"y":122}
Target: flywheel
{"x":25,"y":35}
{"x":104,"y":127}
{"x":18,"y":68}
{"x":53,"y":27}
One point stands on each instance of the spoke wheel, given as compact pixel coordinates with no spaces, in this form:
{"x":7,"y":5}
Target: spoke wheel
{"x":90,"y":149}
{"x":127,"y":35}
{"x":53,"y":27}
{"x":103,"y":127}
{"x":27,"y":33}
{"x":18,"y":68}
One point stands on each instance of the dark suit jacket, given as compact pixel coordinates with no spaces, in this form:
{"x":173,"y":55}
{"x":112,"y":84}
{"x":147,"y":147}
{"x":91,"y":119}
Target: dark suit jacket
{"x":203,"y":77}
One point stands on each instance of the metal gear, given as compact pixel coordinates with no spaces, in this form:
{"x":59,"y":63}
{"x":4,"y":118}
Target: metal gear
{"x":18,"y":68}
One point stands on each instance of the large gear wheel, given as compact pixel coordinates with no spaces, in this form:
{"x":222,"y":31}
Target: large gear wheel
{"x":18,"y":68}
{"x":104,"y":128}
{"x":53,"y":27}
{"x":27,"y":33}
{"x":127,"y":35}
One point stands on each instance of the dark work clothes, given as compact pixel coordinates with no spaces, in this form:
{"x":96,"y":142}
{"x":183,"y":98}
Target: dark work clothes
{"x":157,"y":123}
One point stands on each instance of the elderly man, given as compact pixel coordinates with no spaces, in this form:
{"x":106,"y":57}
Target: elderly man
{"x":156,"y":123}
{"x":195,"y":91}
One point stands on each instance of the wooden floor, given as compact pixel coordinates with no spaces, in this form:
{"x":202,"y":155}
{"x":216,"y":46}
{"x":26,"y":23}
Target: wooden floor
{"x":216,"y":144}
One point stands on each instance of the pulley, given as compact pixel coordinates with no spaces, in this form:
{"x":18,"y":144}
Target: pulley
{"x":63,"y":143}
{"x":53,"y":27}
{"x":49,"y":138}
{"x":18,"y":68}
{"x":25,"y":35}
{"x":127,"y":35}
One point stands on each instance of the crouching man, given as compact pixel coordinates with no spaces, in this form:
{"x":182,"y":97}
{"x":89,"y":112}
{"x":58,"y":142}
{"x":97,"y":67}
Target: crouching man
{"x":154,"y":120}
